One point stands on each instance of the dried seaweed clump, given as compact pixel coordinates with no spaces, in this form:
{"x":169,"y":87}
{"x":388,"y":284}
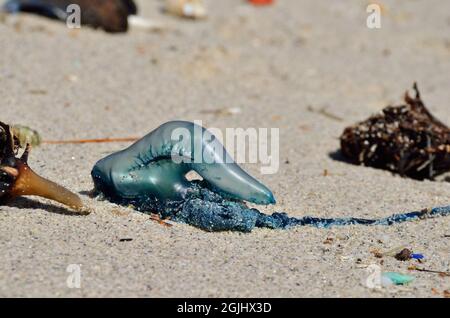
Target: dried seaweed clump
{"x":404,"y":139}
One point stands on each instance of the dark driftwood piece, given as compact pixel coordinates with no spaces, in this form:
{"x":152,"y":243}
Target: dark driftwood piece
{"x":110,"y":15}
{"x":404,"y":139}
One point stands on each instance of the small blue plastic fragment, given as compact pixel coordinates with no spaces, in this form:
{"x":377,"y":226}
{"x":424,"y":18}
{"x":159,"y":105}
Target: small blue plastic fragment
{"x":397,"y":278}
{"x":417,"y":256}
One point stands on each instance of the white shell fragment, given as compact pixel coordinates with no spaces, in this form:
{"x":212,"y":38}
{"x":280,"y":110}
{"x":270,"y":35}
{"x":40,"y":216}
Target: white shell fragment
{"x":193,"y":9}
{"x":138,"y":22}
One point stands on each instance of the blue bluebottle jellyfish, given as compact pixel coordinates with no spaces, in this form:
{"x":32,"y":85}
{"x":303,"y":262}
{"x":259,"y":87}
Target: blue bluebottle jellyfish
{"x":151,"y":176}
{"x":156,"y":166}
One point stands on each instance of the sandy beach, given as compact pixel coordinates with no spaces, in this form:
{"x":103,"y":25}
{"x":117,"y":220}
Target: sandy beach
{"x":279,"y":65}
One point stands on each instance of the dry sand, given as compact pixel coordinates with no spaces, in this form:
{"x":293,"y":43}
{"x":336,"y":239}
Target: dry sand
{"x":274,"y":63}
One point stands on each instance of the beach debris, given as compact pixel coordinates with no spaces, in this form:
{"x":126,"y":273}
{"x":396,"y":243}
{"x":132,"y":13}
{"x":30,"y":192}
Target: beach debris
{"x":145,"y":24}
{"x":399,"y":253}
{"x":127,"y":239}
{"x":71,"y":78}
{"x":89,"y":141}
{"x":393,"y":278}
{"x":441,"y":273}
{"x":118,"y":212}
{"x":391,"y":252}
{"x":25,"y":135}
{"x":324,"y":112}
{"x":18,"y":179}
{"x":275,"y":117}
{"x":404,"y":139}
{"x":157,"y":218}
{"x":261,"y":2}
{"x":223,"y":111}
{"x":150,"y":176}
{"x":403,"y":255}
{"x":445,"y":293}
{"x":109,"y":15}
{"x":377,"y":254}
{"x":192,"y":9}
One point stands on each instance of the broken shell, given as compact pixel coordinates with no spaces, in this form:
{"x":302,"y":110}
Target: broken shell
{"x":18,"y":179}
{"x":26,"y":135}
{"x":138,"y":22}
{"x":27,"y":182}
{"x":194,"y":9}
